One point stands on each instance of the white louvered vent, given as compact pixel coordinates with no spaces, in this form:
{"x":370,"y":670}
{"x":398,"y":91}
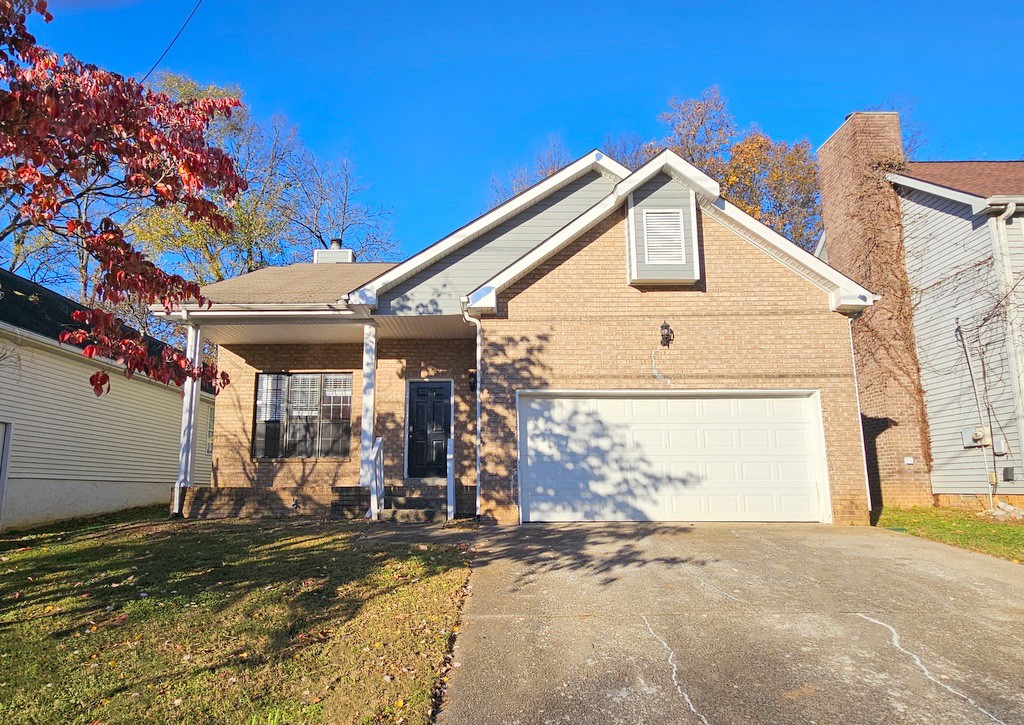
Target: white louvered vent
{"x":663,"y":236}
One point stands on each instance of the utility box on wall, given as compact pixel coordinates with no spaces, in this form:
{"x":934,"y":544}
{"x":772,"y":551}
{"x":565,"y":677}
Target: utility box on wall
{"x":977,"y":436}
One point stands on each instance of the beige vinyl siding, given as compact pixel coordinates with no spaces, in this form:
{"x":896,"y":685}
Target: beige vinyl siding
{"x":950,"y":264}
{"x":75,"y":454}
{"x":438,"y":289}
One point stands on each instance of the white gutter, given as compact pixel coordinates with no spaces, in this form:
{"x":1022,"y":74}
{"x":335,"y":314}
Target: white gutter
{"x":479,"y":383}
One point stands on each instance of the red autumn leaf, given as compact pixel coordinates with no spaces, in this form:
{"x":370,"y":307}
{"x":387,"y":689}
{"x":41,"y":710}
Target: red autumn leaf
{"x":65,"y":122}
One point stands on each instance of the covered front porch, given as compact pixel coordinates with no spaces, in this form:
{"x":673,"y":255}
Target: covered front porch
{"x":335,"y":412}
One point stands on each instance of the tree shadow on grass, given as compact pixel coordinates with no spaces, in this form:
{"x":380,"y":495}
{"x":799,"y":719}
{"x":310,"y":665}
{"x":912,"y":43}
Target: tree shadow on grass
{"x":262,"y":591}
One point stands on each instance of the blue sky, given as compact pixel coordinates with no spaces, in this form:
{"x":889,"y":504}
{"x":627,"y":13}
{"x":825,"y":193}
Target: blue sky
{"x":430,"y":99}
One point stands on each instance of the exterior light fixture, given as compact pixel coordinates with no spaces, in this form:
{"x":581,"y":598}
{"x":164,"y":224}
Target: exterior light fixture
{"x":472,"y":380}
{"x":667,"y":336}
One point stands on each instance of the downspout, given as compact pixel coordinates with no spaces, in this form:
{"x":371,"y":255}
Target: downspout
{"x":1014,"y":353}
{"x":860,"y":417}
{"x":977,"y":400}
{"x":479,"y":384}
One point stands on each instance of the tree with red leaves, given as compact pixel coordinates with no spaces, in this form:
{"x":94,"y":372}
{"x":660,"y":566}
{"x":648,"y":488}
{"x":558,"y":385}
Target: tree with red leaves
{"x":75,"y":138}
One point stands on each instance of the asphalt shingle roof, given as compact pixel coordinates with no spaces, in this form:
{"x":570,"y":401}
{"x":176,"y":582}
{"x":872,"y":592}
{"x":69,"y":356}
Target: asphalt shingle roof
{"x":981,"y":178}
{"x":304,"y":283}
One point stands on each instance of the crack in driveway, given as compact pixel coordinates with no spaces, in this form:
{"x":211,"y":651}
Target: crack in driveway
{"x":921,"y":666}
{"x":675,"y":671}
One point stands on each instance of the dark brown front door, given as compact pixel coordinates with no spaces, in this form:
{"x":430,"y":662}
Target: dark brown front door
{"x":430,"y":425}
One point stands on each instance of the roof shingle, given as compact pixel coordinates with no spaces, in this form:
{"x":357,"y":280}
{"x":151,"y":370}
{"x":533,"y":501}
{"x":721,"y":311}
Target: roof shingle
{"x":305,"y":283}
{"x":980,"y":178}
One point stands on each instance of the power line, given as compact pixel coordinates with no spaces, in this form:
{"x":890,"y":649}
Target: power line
{"x":173,"y":41}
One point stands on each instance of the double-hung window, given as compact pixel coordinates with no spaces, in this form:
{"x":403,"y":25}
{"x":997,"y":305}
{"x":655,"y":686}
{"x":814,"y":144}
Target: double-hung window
{"x":303,"y":415}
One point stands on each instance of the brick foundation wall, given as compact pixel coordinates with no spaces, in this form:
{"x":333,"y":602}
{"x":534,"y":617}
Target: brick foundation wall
{"x":751,"y":324}
{"x":863,"y":232}
{"x":976,"y":501}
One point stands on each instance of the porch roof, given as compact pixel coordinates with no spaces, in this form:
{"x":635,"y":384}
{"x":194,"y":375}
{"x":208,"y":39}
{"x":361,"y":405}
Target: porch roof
{"x":304,"y":283}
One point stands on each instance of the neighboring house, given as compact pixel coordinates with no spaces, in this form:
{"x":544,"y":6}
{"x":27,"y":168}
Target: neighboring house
{"x":63,"y":451}
{"x":518,"y":369}
{"x":941,"y":242}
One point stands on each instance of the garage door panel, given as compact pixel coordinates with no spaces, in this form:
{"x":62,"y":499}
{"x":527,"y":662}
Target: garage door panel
{"x":665,"y":459}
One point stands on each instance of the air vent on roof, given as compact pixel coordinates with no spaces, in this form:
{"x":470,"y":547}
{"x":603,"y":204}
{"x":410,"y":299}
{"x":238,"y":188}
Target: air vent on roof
{"x":663,"y":236}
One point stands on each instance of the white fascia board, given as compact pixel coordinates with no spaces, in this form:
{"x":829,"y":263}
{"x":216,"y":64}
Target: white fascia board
{"x":199,"y":312}
{"x":977,"y":203}
{"x":819,"y":246}
{"x":846,"y":295}
{"x":593,"y":161}
{"x":687,"y":174}
{"x":484,"y":298}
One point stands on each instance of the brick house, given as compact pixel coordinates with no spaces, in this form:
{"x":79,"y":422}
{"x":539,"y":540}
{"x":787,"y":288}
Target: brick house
{"x":941,"y":355}
{"x":607,"y":345}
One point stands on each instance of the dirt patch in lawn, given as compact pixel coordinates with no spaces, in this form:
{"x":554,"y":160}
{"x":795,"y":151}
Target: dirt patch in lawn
{"x":223,"y":621}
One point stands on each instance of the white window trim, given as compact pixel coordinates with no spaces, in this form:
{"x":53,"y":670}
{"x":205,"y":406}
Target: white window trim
{"x":682,"y":235}
{"x":288,"y":376}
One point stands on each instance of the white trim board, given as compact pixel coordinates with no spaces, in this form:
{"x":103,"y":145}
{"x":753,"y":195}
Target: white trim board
{"x":405,"y":427}
{"x":593,"y":161}
{"x":5,"y":462}
{"x":819,"y":450}
{"x":845,"y":295}
{"x":977,"y":203}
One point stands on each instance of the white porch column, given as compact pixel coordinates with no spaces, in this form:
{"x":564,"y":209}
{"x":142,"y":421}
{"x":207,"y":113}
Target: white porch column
{"x":189,"y":419}
{"x":369,"y":387}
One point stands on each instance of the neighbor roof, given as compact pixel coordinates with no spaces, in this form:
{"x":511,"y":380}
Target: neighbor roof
{"x":980,"y":178}
{"x":305,"y":283}
{"x":32,"y":307}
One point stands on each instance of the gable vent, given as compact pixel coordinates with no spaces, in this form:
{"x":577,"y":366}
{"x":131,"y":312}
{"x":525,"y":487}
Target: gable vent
{"x":663,"y":236}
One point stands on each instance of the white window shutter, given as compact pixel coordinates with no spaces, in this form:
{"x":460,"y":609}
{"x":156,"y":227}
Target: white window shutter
{"x":663,"y":236}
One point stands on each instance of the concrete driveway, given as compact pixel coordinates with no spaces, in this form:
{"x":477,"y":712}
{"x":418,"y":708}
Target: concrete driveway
{"x":735,"y":623}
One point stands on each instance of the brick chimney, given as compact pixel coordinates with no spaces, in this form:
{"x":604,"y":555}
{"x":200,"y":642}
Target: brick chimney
{"x":864,"y":240}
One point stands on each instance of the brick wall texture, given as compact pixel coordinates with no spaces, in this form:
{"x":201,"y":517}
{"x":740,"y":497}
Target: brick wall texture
{"x":286,"y":485}
{"x":751,"y":324}
{"x":863,"y":232}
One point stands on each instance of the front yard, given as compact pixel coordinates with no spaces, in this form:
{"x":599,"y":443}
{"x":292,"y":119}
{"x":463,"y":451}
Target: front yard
{"x":141,"y":619}
{"x":959,"y":528}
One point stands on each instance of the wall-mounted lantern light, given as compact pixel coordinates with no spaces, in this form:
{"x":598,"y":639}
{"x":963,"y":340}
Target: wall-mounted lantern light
{"x":472,"y":380}
{"x":667,"y":336}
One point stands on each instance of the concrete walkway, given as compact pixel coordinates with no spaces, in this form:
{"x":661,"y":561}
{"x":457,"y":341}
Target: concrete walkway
{"x":733,"y":624}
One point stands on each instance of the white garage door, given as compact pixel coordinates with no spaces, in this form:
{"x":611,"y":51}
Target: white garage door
{"x":641,"y":458}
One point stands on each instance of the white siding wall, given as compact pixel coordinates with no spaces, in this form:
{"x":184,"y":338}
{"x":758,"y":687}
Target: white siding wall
{"x":953,"y":274}
{"x":73,"y":454}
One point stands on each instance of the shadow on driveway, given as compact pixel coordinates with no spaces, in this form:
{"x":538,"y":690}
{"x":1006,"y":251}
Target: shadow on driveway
{"x":735,"y":623}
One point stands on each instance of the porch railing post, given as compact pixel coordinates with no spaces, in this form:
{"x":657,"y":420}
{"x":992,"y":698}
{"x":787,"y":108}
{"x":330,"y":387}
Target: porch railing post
{"x":366,"y":438}
{"x":450,"y":458}
{"x":189,"y":420}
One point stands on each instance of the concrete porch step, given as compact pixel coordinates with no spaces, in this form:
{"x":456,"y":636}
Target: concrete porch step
{"x":414,"y":516}
{"x":403,"y":493}
{"x":415,"y":502}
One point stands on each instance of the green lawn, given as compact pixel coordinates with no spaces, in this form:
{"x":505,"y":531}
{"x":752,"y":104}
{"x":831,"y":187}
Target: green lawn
{"x":136,"y":618}
{"x":959,"y":528}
